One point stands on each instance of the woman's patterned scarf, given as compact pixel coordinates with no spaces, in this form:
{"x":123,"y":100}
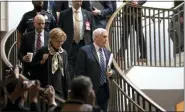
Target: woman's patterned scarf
{"x":57,"y":61}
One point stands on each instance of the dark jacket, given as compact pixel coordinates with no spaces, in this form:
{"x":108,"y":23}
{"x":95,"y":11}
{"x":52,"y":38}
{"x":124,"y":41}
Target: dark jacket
{"x":87,"y":64}
{"x":16,"y":107}
{"x":102,"y":19}
{"x":134,"y":10}
{"x":58,"y":6}
{"x":66,"y":24}
{"x":79,"y":106}
{"x":28,"y":45}
{"x":42,"y":72}
{"x":26,"y":23}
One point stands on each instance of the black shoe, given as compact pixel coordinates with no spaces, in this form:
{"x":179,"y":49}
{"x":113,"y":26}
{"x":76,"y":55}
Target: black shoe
{"x":182,"y":49}
{"x":142,"y":57}
{"x":142,"y":60}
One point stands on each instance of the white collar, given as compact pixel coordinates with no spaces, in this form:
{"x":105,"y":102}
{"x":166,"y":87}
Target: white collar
{"x":96,"y":47}
{"x":41,"y":33}
{"x":79,"y":10}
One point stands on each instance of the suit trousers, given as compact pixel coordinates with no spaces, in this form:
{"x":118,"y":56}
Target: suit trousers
{"x":72,"y":57}
{"x":136,"y":22}
{"x":102,"y":97}
{"x":176,"y":33}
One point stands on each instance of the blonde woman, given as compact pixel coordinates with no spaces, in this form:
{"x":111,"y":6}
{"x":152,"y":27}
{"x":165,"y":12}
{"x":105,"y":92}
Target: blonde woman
{"x":50,"y":64}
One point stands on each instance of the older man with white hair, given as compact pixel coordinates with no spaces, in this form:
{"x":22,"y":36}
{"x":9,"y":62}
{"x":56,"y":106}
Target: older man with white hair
{"x":92,"y":61}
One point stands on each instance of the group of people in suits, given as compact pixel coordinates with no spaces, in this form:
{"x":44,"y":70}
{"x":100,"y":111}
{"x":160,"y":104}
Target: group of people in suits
{"x":107,"y":7}
{"x":53,"y":58}
{"x":56,"y":55}
{"x":50,"y":63}
{"x":92,"y":16}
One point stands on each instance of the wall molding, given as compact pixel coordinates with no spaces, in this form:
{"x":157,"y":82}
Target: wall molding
{"x":3,"y":16}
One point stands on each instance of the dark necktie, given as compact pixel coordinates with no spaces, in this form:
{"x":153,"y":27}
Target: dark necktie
{"x":102,"y":67}
{"x":39,"y":42}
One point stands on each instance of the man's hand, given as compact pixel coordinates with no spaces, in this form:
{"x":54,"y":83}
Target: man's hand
{"x":18,"y":91}
{"x":96,"y":12}
{"x":133,"y":3}
{"x":44,"y":58}
{"x":16,"y":72}
{"x":26,"y":58}
{"x":109,"y":74}
{"x":91,"y":98}
{"x":58,"y":16}
{"x":69,"y":94}
{"x":181,"y":20}
{"x":33,"y":91}
{"x":51,"y":95}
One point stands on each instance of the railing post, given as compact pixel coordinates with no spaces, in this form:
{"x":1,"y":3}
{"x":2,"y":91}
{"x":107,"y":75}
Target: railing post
{"x":1,"y":65}
{"x":0,"y":41}
{"x":0,"y":50}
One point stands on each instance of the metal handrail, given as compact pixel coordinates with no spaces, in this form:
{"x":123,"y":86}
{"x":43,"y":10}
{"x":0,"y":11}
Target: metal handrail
{"x":127,"y":96}
{"x":3,"y":42}
{"x":9,"y":52}
{"x":178,"y":6}
{"x":118,"y":69}
{"x":173,"y":8}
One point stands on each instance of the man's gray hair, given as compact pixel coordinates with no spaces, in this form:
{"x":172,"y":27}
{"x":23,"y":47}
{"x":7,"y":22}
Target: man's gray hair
{"x":98,"y":32}
{"x":80,"y":87}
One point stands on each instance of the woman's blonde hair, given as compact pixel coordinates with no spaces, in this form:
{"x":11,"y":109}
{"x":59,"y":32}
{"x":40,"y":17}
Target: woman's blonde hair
{"x":57,"y":33}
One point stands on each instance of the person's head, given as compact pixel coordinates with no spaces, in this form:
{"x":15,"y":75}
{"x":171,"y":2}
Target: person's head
{"x":39,"y":23}
{"x":100,"y":37}
{"x":57,"y":37}
{"x":15,"y":85}
{"x":37,"y":4}
{"x":81,"y":88}
{"x":76,"y":4}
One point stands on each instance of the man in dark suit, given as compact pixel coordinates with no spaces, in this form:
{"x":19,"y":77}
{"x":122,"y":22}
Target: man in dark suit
{"x":31,"y":42}
{"x":92,"y":61}
{"x":78,"y":24}
{"x":87,"y":5}
{"x":132,"y":17}
{"x":26,"y":23}
{"x":101,"y":10}
{"x":55,"y":7}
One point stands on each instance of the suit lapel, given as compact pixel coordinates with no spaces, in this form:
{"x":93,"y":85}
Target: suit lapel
{"x":70,"y":19}
{"x":45,"y":38}
{"x":33,"y":41}
{"x":106,"y":55}
{"x":94,"y":53}
{"x":84,"y":19}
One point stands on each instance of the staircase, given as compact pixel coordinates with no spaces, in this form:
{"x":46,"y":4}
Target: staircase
{"x":160,"y":52}
{"x":124,"y":95}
